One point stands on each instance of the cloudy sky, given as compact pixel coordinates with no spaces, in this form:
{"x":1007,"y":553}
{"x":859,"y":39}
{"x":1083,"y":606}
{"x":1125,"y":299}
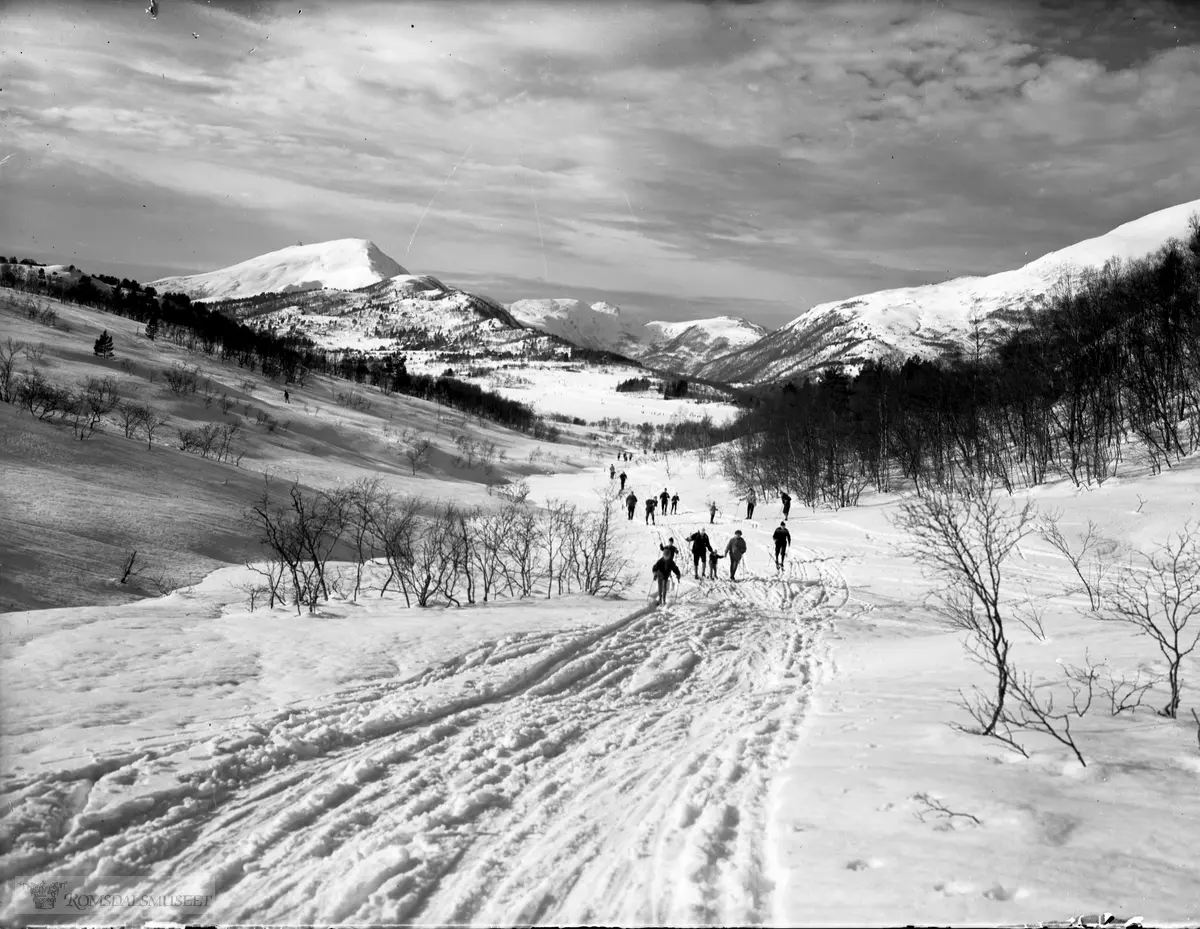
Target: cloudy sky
{"x":679,"y":159}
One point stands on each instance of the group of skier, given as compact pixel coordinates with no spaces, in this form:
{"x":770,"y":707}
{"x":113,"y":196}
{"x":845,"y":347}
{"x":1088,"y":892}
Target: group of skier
{"x":653,"y":504}
{"x":704,"y":555}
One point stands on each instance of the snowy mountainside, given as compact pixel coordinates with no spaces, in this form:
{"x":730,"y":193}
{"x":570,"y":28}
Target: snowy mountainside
{"x":403,"y":312}
{"x":599,"y":326}
{"x":341,"y":264}
{"x":688,"y":345}
{"x":929,"y":319}
{"x":673,"y":346}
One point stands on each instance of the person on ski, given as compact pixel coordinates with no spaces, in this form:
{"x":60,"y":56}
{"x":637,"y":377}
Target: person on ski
{"x":787,"y":503}
{"x":622,"y":476}
{"x":674,"y":503}
{"x":783,"y":539}
{"x":651,"y":503}
{"x":664,"y":499}
{"x":701,"y":546}
{"x":669,"y":550}
{"x":736,"y":550}
{"x":712,"y":512}
{"x":662,"y":571}
{"x":750,"y":505}
{"x":713,"y":558}
{"x":287,"y":398}
{"x":612,"y":471}
{"x":630,"y":502}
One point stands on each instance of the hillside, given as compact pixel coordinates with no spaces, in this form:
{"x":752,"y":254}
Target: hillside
{"x":689,"y":345}
{"x":341,"y":264}
{"x":927,"y":320}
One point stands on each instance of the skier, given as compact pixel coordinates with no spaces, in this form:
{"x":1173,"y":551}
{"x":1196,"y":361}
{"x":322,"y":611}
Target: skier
{"x":630,"y":501}
{"x":612,"y":472}
{"x":712,"y":512}
{"x":662,"y":570}
{"x":651,"y":503}
{"x":674,"y":503}
{"x":783,"y":539}
{"x":287,"y":398}
{"x":669,"y":550}
{"x":736,"y":550}
{"x":713,"y":558}
{"x":700,"y":547}
{"x":622,"y":476}
{"x":664,"y":498}
{"x":787,"y":504}
{"x":750,"y":505}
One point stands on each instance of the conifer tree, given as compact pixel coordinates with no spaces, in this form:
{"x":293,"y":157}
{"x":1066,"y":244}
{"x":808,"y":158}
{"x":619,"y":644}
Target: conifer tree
{"x":152,"y":328}
{"x":103,"y":346}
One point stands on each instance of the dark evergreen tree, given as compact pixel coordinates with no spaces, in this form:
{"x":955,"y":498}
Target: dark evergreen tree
{"x":103,"y":346}
{"x":152,"y":328}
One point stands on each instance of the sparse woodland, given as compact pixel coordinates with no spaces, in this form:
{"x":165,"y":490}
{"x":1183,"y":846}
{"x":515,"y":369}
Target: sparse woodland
{"x":430,"y":553}
{"x":1111,"y":364}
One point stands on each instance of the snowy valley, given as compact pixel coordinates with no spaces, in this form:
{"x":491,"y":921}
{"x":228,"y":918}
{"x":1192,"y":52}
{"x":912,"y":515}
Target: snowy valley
{"x":777,"y":749}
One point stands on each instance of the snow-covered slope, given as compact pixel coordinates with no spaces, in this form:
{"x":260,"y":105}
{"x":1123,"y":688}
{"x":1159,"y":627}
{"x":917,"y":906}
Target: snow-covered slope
{"x":687,"y":346}
{"x":927,"y":320}
{"x":405,"y":312}
{"x":673,"y":346}
{"x":342,"y":264}
{"x":599,"y":326}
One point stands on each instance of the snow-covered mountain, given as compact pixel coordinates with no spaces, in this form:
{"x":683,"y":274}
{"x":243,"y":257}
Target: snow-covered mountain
{"x":682,"y":347}
{"x":687,"y":346}
{"x":405,"y":312}
{"x":929,"y":319}
{"x":599,"y":326}
{"x":342,"y":264}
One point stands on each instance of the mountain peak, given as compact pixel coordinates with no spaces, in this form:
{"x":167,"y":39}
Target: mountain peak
{"x":339,"y":264}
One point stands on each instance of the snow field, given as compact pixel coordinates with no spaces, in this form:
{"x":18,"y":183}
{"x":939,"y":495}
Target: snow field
{"x":482,"y":789}
{"x":771,"y":750}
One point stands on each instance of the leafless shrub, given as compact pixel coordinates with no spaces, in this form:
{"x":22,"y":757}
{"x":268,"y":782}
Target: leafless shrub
{"x":523,"y":566}
{"x":396,"y":530}
{"x":182,"y":379}
{"x":8,"y":365}
{"x":1159,"y":595}
{"x":130,"y":414}
{"x":932,"y":807}
{"x":600,"y":567}
{"x":226,"y":403}
{"x":352,"y":399}
{"x":418,"y":454}
{"x":1092,"y":558}
{"x":36,"y":354}
{"x":38,"y":396}
{"x":365,"y":503}
{"x":163,"y":582}
{"x":962,"y":538}
{"x":512,"y":492}
{"x":152,"y":422}
{"x":301,"y":532}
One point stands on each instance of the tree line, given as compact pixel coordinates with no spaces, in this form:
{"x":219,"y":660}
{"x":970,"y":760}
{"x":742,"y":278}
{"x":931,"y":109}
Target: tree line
{"x":1110,"y":362}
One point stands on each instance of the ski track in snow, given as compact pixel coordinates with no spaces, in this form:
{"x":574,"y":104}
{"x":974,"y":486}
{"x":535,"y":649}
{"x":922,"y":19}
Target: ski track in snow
{"x":616,"y":776}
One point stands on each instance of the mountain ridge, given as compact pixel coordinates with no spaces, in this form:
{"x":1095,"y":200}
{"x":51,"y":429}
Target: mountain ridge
{"x":930,"y":319}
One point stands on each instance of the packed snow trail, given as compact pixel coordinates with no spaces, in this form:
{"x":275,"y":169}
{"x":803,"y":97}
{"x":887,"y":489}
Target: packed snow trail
{"x":616,"y":776}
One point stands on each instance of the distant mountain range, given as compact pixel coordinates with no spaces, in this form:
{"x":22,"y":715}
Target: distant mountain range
{"x":348,"y":293}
